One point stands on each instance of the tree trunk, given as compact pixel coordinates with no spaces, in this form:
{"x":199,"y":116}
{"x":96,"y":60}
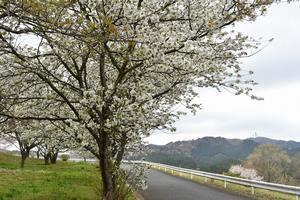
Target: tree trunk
{"x":46,"y":159}
{"x":24,"y":155}
{"x":53,"y":158}
{"x":23,"y":158}
{"x":106,"y":169}
{"x":108,"y":190}
{"x":38,"y":154}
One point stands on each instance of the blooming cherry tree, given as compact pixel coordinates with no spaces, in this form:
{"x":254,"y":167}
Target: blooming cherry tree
{"x":24,"y":135}
{"x":54,"y":141}
{"x":107,"y":73}
{"x":245,"y":172}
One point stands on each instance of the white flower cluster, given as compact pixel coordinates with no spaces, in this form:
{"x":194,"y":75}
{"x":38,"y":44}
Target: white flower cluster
{"x":246,"y":173}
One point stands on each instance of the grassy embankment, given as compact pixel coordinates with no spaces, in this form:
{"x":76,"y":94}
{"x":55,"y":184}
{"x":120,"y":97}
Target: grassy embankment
{"x":61,"y":181}
{"x":259,"y":194}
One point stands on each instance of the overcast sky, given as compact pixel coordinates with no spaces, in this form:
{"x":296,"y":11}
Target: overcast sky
{"x":277,"y":69}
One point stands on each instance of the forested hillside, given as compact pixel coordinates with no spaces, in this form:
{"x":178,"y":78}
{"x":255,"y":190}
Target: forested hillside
{"x":215,"y":154}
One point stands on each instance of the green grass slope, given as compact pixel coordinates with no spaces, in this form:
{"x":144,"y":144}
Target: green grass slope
{"x":64,"y":180}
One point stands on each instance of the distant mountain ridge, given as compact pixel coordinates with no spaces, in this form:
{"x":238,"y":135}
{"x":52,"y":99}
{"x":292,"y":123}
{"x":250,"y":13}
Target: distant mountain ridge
{"x":214,"y":154}
{"x":288,"y":145}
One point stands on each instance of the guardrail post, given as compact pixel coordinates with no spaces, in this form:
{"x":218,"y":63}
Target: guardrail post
{"x":225,"y":184}
{"x":191,"y":176}
{"x":252,"y":191}
{"x":165,"y":169}
{"x":205,"y":180}
{"x":172,"y":171}
{"x":296,"y":197}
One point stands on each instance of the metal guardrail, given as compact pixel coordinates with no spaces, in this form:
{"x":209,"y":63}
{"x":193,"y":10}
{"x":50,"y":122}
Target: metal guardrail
{"x":288,"y":189}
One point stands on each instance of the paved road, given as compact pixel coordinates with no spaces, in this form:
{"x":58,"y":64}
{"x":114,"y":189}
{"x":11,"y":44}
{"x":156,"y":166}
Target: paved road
{"x":166,"y":187}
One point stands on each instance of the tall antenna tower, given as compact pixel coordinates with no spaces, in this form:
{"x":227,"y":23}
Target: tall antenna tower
{"x":254,"y":135}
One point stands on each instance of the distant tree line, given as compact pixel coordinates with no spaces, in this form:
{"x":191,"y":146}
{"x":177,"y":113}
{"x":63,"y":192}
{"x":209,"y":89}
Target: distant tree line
{"x":215,"y":166}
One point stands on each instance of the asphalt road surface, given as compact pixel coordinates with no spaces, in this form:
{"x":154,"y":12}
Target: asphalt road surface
{"x":166,"y":187}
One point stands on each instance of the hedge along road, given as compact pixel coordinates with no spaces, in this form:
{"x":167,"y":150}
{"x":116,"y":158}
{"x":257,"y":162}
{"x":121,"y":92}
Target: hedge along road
{"x":162,"y":186}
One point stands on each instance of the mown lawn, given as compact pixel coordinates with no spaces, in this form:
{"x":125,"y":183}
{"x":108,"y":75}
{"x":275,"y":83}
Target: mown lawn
{"x":61,"y":181}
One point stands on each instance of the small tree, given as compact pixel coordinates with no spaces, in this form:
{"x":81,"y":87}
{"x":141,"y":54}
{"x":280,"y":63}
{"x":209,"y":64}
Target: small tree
{"x":84,"y":154}
{"x":44,"y":151}
{"x":24,"y":135}
{"x":51,"y":145}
